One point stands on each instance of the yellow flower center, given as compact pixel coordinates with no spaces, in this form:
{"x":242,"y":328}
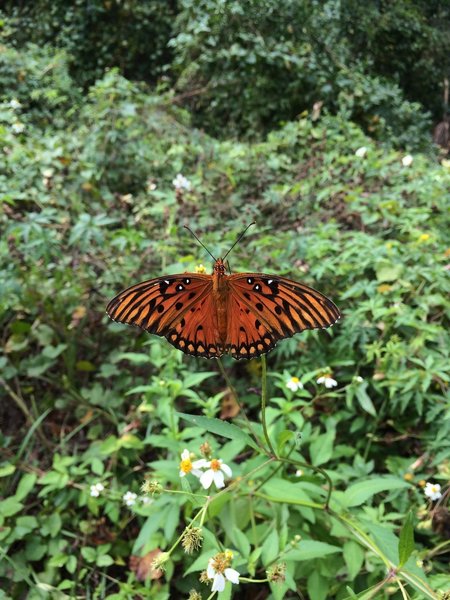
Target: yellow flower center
{"x":222,"y":561}
{"x":186,"y":465}
{"x":200,"y":269}
{"x":295,"y":380}
{"x":215,"y":464}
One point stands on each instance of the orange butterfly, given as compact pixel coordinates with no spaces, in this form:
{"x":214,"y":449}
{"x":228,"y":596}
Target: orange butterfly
{"x":244,"y":314}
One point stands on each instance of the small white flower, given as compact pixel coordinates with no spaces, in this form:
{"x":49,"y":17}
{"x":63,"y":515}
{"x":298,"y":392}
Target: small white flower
{"x":96,"y":489}
{"x":18,"y":127}
{"x":294,"y":384}
{"x":298,"y":473}
{"x":407,"y":160}
{"x":327,"y":381}
{"x":14,"y":104}
{"x":215,"y":473}
{"x":187,"y":466}
{"x":145,"y":500}
{"x":129,"y":498}
{"x":358,"y":379}
{"x":433,"y":491}
{"x":361,"y":152}
{"x":181,"y":182}
{"x":219,"y":571}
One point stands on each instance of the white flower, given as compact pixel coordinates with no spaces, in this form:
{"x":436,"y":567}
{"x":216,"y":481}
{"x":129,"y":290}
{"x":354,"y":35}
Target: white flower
{"x":327,"y":381}
{"x":181,"y":182}
{"x":361,"y":152}
{"x":358,"y":379}
{"x":187,"y":466}
{"x":17,"y":127}
{"x":298,"y":473}
{"x":215,"y":473}
{"x":14,"y":104}
{"x":129,"y":498}
{"x":219,"y":571}
{"x":433,"y":491}
{"x":96,"y":488}
{"x":145,"y":500}
{"x":407,"y":160}
{"x":294,"y":384}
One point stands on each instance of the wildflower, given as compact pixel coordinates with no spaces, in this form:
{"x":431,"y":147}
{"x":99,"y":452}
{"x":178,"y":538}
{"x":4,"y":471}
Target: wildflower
{"x":206,"y":450}
{"x":327,"y":381}
{"x":432,"y":491}
{"x":219,"y":571}
{"x":357,"y":379}
{"x":200,"y":269}
{"x":181,"y":183}
{"x":96,"y":489}
{"x":361,"y":152}
{"x":151,"y":185}
{"x":14,"y":104}
{"x":408,"y":476}
{"x":18,"y":127}
{"x":192,"y":539}
{"x":407,"y":160}
{"x":151,"y":487}
{"x":145,"y":500}
{"x":424,"y":237}
{"x":160,"y":560}
{"x":277,"y":573}
{"x":129,"y":498}
{"x":215,"y":473}
{"x":294,"y":384}
{"x":299,"y":473}
{"x":187,"y":466}
{"x":194,"y":595}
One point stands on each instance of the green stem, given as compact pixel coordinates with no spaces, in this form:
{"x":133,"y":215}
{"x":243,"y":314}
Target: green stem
{"x":236,"y":399}
{"x":306,"y":465}
{"x":263,"y":406}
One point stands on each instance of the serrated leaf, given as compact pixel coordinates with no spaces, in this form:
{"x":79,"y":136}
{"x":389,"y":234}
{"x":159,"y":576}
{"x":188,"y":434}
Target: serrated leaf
{"x":358,"y":493}
{"x":219,"y":427}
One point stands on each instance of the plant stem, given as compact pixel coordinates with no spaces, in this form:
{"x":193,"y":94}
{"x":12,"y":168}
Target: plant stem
{"x":263,"y":405}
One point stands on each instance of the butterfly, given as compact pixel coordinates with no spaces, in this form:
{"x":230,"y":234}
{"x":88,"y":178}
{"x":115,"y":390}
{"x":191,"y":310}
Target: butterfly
{"x":242,"y":314}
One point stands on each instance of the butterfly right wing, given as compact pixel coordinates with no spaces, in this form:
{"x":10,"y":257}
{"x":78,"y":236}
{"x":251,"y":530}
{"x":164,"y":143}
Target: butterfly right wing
{"x":177,"y":307}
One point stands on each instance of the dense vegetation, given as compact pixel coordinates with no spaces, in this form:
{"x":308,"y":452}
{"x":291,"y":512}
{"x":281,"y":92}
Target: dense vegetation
{"x":307,"y":118}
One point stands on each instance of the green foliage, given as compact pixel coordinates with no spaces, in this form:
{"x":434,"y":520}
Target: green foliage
{"x":91,"y":409}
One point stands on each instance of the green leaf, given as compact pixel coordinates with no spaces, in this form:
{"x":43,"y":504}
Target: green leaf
{"x":7,"y":469}
{"x":353,"y":557}
{"x":270,"y":548}
{"x":358,"y":493}
{"x":388,"y":272}
{"x":10,"y":506}
{"x":406,"y":541}
{"x":25,"y":486}
{"x":219,"y":427}
{"x":309,"y":549}
{"x":136,"y":358}
{"x":364,"y":400}
{"x":321,"y":449}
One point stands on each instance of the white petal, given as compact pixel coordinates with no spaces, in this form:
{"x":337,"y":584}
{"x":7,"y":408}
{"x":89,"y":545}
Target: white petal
{"x":218,"y":479}
{"x":207,"y":478}
{"x":197,"y":473}
{"x":218,"y":583}
{"x":210,"y":570}
{"x":182,"y":474}
{"x":200,"y":464}
{"x":232,"y":575}
{"x":226,"y":469}
{"x":185,"y":454}
{"x":321,"y":380}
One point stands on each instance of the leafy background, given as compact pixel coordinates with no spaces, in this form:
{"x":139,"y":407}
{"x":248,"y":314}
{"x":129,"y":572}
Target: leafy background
{"x":262,"y":106}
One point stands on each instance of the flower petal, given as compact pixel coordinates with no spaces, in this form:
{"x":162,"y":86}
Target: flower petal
{"x":226,"y":469}
{"x":200,"y":464}
{"x":210,"y":570}
{"x":218,"y":479}
{"x":207,"y":478}
{"x":185,"y":454}
{"x":232,"y":575}
{"x":218,"y":583}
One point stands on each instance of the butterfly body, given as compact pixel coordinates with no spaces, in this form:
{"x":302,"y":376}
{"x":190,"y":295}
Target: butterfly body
{"x":243,"y":314}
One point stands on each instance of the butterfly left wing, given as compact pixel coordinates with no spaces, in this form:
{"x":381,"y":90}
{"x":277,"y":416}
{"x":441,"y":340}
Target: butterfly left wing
{"x":177,"y":307}
{"x":263,"y":309}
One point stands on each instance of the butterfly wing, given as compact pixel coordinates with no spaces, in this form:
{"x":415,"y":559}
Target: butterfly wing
{"x":177,"y":307}
{"x":263,"y":309}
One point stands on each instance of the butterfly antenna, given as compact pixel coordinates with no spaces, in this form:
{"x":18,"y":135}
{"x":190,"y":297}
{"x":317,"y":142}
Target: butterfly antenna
{"x":239,"y":239}
{"x":201,"y":243}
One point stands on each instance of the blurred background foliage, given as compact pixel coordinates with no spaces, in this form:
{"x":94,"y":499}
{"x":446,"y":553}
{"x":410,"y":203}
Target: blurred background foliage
{"x":300,"y":115}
